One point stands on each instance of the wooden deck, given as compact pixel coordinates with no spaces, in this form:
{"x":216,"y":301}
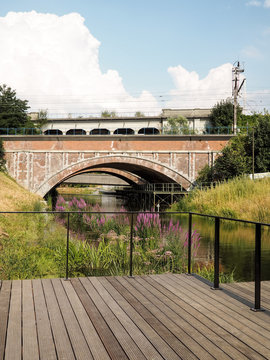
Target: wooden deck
{"x":147,"y":317}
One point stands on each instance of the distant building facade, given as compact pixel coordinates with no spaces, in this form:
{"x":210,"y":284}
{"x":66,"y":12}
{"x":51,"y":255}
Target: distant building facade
{"x":198,"y":120}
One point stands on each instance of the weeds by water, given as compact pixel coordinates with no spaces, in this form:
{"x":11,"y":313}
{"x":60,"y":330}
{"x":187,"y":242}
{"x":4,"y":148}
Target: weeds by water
{"x":240,"y":198}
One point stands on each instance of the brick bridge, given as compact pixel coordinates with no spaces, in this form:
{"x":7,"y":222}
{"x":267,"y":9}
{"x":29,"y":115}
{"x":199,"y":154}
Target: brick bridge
{"x":39,"y":163}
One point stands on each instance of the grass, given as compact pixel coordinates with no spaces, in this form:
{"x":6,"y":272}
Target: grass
{"x":34,"y":245}
{"x":240,"y":198}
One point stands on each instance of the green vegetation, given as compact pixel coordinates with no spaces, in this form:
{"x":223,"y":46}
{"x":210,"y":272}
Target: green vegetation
{"x":34,"y":245}
{"x":13,"y":111}
{"x":108,"y":114}
{"x":177,"y":125}
{"x":2,"y":156}
{"x":221,"y":115}
{"x":240,"y":198}
{"x":237,"y":157}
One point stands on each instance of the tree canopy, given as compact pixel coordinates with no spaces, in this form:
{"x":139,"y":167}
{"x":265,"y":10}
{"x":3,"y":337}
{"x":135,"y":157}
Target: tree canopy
{"x":236,"y":158}
{"x":2,"y":158}
{"x":177,"y":125}
{"x":222,"y":115}
{"x":13,"y":111}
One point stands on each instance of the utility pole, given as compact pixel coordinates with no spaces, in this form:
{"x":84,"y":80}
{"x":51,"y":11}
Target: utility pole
{"x":236,"y":70}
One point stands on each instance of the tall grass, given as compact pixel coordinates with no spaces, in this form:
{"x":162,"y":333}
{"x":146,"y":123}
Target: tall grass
{"x":240,"y":198}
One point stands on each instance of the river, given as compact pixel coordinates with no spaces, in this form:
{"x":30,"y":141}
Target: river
{"x":237,"y":241}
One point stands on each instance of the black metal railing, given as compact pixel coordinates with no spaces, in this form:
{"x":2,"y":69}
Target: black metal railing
{"x":217,"y":220}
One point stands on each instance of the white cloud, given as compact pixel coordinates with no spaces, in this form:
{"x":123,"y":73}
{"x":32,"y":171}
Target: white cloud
{"x":54,"y":63}
{"x":192,"y":92}
{"x":254,"y":3}
{"x":251,"y":52}
{"x":267,"y":3}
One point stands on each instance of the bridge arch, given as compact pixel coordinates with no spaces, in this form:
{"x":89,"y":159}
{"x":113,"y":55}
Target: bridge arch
{"x":149,"y":170}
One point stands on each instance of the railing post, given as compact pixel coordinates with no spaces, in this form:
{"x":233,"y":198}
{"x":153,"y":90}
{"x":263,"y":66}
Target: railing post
{"x":216,"y":256}
{"x":67,"y":250}
{"x":257,"y":268}
{"x":131,"y":247}
{"x":189,"y":242}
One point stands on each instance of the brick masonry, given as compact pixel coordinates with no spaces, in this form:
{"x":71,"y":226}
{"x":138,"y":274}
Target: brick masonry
{"x":41,"y":162}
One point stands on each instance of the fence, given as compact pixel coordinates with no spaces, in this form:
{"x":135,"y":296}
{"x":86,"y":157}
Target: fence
{"x":216,"y":284}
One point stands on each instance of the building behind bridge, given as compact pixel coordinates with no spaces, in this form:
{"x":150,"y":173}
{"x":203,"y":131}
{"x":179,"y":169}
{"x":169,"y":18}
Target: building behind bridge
{"x":198,"y":121}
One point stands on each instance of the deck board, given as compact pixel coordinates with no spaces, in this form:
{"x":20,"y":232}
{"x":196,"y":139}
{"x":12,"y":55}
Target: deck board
{"x":169,"y":316}
{"x":4,"y":310}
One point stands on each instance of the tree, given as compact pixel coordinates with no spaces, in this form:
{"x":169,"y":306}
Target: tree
{"x":42,"y":118}
{"x":232,"y":161}
{"x":177,"y":125}
{"x":221,"y":116}
{"x":13,"y":111}
{"x":139,"y":114}
{"x":108,"y":114}
{"x":2,"y":156}
{"x":261,"y":135}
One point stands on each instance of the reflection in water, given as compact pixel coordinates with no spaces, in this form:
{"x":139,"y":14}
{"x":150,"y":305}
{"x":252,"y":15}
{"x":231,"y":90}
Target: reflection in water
{"x":237,"y":241}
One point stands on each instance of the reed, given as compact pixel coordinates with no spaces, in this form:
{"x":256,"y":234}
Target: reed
{"x":240,"y":198}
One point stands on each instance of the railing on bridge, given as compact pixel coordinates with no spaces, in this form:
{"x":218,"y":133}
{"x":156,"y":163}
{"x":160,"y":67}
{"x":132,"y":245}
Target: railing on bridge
{"x":132,"y":215}
{"x":161,"y":188}
{"x":123,"y":132}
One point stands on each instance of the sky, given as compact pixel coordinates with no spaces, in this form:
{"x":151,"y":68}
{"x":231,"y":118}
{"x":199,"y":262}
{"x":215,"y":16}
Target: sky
{"x":86,"y":56}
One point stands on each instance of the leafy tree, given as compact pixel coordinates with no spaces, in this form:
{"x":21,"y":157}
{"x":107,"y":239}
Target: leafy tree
{"x":139,"y":114}
{"x":42,"y":118}
{"x":2,"y":158}
{"x":108,"y":114}
{"x":177,"y":125}
{"x":261,"y":134}
{"x":231,"y":162}
{"x":222,"y":115}
{"x":13,"y":111}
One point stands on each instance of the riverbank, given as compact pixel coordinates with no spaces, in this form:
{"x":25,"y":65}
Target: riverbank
{"x":28,"y":242}
{"x":86,"y":190}
{"x":240,"y":198}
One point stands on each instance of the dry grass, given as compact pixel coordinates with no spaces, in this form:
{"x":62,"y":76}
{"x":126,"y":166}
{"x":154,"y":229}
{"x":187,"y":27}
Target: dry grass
{"x":14,"y":197}
{"x":239,"y":198}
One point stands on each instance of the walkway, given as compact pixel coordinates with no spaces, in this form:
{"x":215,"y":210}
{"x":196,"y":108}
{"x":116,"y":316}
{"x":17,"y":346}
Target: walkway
{"x":147,"y":317}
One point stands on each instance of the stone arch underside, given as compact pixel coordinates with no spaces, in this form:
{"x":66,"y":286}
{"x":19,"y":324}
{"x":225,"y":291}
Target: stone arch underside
{"x":130,"y":178}
{"x":149,"y":170}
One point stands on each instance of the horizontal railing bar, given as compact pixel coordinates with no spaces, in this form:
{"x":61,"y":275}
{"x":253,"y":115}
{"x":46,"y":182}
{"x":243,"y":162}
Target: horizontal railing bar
{"x":136,"y":212}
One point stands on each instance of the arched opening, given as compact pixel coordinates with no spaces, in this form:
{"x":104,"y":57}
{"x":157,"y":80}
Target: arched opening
{"x":124,"y":131}
{"x":76,"y":132}
{"x":148,"y":131}
{"x":148,"y":170}
{"x":53,"y":132}
{"x":100,"y":132}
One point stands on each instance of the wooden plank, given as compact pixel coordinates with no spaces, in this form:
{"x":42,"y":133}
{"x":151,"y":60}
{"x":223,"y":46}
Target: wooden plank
{"x":112,"y":346}
{"x":228,"y":302}
{"x":14,"y":335}
{"x":183,"y":316}
{"x":223,"y":316}
{"x":95,"y":344}
{"x":201,"y":346}
{"x":162,"y":347}
{"x":248,"y":291}
{"x":246,"y":319}
{"x":122,"y":336}
{"x":205,"y":316}
{"x":62,"y":343}
{"x":45,"y":338}
{"x":176,"y":338}
{"x":5,"y":293}
{"x":135,"y":333}
{"x":187,"y":304}
{"x":30,"y":344}
{"x":76,"y":337}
